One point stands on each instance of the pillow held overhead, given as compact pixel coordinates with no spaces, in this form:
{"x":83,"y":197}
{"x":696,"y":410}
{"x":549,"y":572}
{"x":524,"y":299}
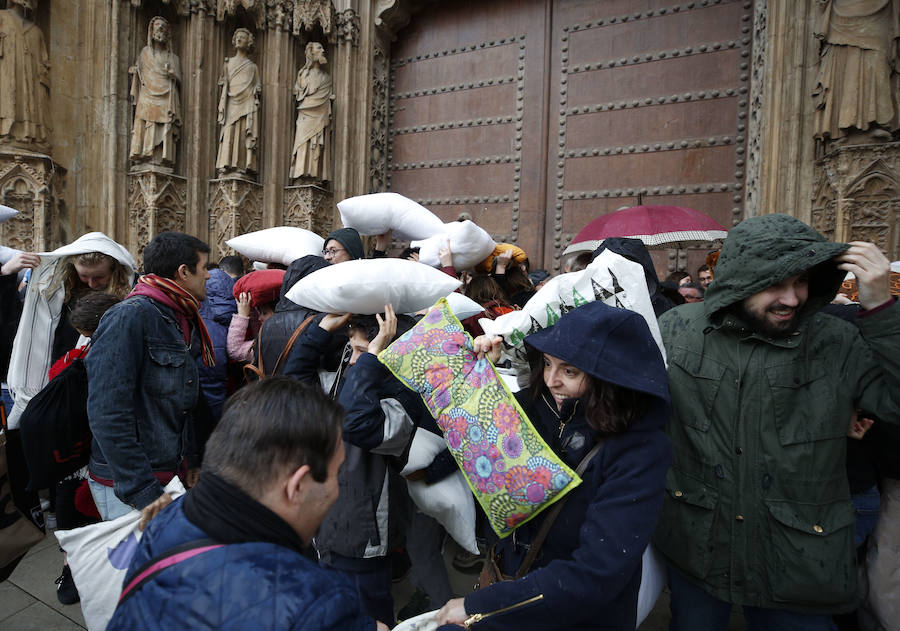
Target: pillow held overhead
{"x":379,"y":212}
{"x":264,"y":286}
{"x":365,"y":286}
{"x":283,"y":244}
{"x":469,"y":244}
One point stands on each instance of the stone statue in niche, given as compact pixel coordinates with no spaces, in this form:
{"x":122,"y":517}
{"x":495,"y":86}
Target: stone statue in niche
{"x":24,"y":79}
{"x":239,"y":109}
{"x":858,"y":85}
{"x":311,"y":151}
{"x":156,"y":92}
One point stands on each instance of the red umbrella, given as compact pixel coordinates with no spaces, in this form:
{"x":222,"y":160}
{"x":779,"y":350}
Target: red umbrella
{"x":674,"y":226}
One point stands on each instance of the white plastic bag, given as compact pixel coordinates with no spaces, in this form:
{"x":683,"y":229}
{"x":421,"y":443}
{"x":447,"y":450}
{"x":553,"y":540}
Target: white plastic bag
{"x":610,"y":278}
{"x":99,"y":556}
{"x":450,"y":500}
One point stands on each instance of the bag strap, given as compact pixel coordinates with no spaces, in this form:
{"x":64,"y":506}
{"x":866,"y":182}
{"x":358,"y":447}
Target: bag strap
{"x":169,"y":558}
{"x":538,"y":542}
{"x":290,"y":343}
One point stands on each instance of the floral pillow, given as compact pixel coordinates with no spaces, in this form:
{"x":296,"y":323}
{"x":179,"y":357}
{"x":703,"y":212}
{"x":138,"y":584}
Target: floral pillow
{"x":511,"y":470}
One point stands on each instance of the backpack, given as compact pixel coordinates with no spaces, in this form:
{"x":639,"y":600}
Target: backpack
{"x":257,"y":371}
{"x":56,"y":436}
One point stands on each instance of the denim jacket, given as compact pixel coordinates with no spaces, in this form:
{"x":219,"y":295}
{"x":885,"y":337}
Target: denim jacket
{"x":142,"y":388}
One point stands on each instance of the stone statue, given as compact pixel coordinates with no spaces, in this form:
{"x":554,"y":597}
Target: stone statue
{"x":24,"y":79}
{"x":155,"y":90}
{"x":311,"y":153}
{"x":858,"y":85}
{"x":238,"y":108}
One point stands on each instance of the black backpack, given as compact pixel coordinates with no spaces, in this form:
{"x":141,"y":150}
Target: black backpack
{"x":54,"y":427}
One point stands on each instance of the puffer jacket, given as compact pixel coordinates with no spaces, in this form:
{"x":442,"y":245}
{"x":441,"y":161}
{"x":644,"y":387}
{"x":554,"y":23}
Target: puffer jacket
{"x":216,"y":312}
{"x":757,"y":509}
{"x":244,"y":586}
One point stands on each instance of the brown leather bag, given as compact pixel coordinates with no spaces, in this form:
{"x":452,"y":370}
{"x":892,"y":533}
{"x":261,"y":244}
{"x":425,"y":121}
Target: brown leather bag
{"x":490,"y":571}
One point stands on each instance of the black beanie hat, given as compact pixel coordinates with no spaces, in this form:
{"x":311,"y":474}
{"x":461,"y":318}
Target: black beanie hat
{"x":349,"y":238}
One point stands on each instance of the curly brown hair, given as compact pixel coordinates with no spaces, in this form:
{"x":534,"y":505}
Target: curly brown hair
{"x":119,"y":282}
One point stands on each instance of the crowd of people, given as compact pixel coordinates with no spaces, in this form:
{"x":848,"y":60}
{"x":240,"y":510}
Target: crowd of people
{"x":740,"y":450}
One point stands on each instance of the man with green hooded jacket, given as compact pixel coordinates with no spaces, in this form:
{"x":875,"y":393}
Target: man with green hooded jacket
{"x":757,"y":509}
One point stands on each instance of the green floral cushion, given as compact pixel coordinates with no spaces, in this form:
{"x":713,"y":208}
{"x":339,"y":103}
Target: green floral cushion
{"x":512,"y":472}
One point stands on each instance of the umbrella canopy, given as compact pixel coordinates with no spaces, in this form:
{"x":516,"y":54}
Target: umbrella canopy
{"x":675,"y":226}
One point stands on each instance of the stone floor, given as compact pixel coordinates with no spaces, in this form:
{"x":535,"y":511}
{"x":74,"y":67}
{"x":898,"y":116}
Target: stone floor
{"x":28,"y":599}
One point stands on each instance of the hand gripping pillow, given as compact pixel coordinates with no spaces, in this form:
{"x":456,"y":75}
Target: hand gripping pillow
{"x":379,"y":212}
{"x":365,"y":286}
{"x":264,"y":286}
{"x":469,"y":245}
{"x":284,"y":244}
{"x":511,"y":470}
{"x":610,"y":277}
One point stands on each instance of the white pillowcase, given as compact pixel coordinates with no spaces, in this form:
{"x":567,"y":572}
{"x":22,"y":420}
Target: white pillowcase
{"x":469,"y":245}
{"x":284,"y":244}
{"x":365,"y":286}
{"x":448,"y":500}
{"x":462,"y":306}
{"x":7,"y":213}
{"x":379,"y":212}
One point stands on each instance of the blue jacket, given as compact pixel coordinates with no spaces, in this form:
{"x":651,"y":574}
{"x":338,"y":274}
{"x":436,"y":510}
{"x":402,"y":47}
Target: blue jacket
{"x":216,"y":312}
{"x":250,"y":586}
{"x":589,"y":568}
{"x":142,"y":389}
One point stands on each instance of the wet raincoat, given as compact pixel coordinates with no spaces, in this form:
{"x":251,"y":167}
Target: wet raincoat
{"x":757,"y":509}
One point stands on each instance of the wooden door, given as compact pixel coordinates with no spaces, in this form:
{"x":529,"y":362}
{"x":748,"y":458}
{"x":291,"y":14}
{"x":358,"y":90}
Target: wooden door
{"x":536,"y":116}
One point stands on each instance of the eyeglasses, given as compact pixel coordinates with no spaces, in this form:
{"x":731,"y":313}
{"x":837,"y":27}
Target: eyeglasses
{"x":331,"y":252}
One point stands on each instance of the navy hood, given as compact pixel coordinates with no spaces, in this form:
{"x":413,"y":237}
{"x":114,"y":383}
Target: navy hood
{"x":219,"y":305}
{"x":609,"y":343}
{"x":298,"y":269}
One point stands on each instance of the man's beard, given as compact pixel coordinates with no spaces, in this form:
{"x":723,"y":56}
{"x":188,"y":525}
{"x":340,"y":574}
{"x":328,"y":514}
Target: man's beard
{"x":763,"y":326}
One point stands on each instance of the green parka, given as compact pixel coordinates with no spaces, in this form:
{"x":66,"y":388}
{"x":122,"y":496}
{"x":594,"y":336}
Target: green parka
{"x":757,"y":509}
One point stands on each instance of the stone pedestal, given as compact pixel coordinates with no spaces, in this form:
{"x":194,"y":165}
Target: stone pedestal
{"x":856,"y":195}
{"x":308,"y":206}
{"x":235,"y":207}
{"x":156,"y":203}
{"x":33,"y":184}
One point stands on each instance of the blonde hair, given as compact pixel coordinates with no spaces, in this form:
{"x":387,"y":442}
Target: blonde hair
{"x":119,"y":281}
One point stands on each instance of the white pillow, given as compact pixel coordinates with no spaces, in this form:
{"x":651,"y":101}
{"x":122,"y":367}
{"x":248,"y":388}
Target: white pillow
{"x":284,"y":244}
{"x":365,"y":286}
{"x":462,"y":306}
{"x":449,"y":500}
{"x":7,"y":213}
{"x":379,"y":212}
{"x":469,"y":245}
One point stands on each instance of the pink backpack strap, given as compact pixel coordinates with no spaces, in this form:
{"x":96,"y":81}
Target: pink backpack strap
{"x":171,"y":557}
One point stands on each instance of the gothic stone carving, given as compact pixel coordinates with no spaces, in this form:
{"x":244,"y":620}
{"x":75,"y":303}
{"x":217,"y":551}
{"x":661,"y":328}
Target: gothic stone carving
{"x":235,"y":208}
{"x":24,"y":80}
{"x":308,"y":206}
{"x":311,"y":152}
{"x":348,"y":26}
{"x":239,"y":109}
{"x":33,"y":185}
{"x":155,"y":89}
{"x":308,"y":13}
{"x":156,"y":203}
{"x":857,"y":195}
{"x":379,"y":131}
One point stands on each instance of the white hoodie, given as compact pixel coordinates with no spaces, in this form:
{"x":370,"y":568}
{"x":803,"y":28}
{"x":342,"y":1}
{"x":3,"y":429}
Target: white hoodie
{"x":44,"y":297}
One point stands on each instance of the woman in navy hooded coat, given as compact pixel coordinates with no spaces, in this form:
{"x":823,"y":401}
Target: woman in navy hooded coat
{"x":597,"y":375}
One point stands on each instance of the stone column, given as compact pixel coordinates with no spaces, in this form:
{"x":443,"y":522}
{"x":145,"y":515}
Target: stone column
{"x":199,"y":96}
{"x":157,"y":201}
{"x":279,"y":67}
{"x":235,"y":208}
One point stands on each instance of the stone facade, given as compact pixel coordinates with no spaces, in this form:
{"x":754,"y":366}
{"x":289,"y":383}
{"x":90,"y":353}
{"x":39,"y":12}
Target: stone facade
{"x":85,"y":181}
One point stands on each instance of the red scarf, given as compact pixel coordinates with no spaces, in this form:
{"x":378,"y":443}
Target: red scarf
{"x":186,"y":307}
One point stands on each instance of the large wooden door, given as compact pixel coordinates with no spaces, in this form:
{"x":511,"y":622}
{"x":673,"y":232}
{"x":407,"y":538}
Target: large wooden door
{"x":536,"y":116}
